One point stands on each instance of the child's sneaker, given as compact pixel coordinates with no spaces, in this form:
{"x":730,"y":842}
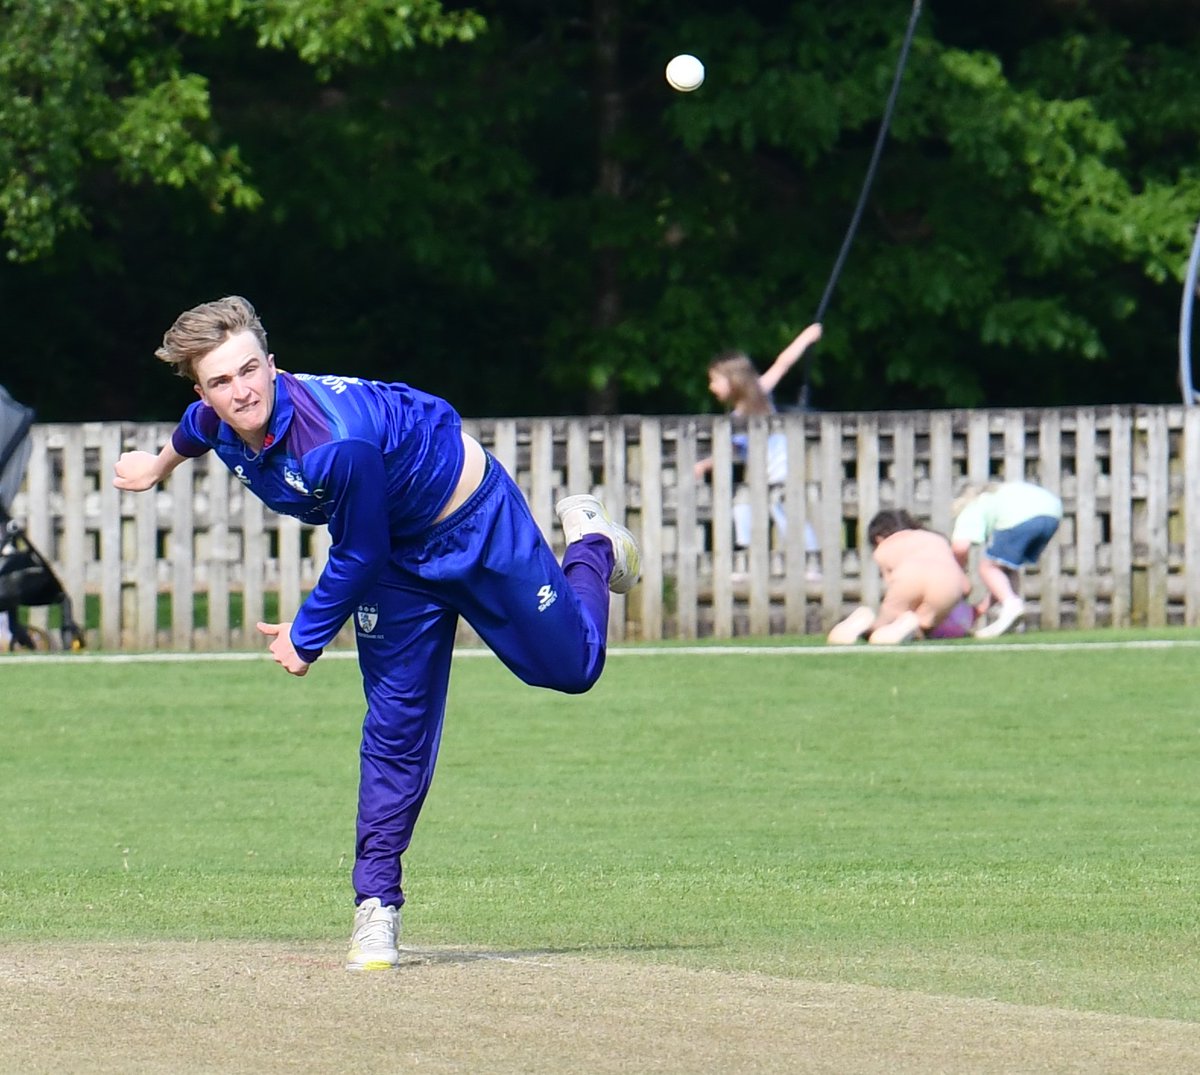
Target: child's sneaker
{"x":583,"y":514}
{"x":1010,"y":612}
{"x":373,"y":942}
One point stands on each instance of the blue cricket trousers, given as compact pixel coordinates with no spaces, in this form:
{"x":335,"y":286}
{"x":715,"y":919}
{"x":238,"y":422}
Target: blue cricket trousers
{"x":489,"y":563}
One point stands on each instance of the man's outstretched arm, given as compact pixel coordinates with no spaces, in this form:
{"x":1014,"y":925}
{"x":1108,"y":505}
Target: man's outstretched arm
{"x":139,"y":471}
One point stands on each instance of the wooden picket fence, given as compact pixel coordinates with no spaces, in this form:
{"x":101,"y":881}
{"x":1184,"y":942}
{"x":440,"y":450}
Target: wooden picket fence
{"x":194,"y":564}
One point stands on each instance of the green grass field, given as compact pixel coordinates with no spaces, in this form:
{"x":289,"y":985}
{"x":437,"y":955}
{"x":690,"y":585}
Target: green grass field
{"x":1012,"y":822}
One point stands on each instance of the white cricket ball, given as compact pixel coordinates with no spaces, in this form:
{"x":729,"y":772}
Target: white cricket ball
{"x":685,"y":73}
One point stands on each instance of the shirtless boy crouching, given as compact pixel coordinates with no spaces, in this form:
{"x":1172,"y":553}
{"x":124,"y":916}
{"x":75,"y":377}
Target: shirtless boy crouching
{"x":923,"y":583}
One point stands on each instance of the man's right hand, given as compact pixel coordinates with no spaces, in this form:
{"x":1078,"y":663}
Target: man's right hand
{"x":137,"y":471}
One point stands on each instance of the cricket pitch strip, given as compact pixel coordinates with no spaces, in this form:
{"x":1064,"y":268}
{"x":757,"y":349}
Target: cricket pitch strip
{"x":158,"y":1008}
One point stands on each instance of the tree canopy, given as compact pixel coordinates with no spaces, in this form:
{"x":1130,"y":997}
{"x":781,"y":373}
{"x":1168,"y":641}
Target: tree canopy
{"x":509,"y":206}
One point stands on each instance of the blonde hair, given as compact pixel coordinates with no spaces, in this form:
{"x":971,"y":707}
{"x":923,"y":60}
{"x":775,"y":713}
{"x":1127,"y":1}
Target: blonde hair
{"x":970,"y":493}
{"x":745,"y":393}
{"x":203,"y":328}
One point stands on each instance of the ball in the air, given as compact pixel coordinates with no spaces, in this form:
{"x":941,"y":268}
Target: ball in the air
{"x":685,"y":73}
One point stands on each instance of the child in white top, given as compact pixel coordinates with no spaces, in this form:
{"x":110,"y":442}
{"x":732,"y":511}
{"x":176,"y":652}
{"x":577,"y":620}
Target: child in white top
{"x":1014,"y":521}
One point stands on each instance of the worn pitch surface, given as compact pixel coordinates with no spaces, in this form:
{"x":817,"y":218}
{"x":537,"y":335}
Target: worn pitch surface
{"x":264,"y":1008}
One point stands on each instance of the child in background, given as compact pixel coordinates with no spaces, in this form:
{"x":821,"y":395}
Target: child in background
{"x":1015,"y":522}
{"x":733,"y":381}
{"x":924,"y":584}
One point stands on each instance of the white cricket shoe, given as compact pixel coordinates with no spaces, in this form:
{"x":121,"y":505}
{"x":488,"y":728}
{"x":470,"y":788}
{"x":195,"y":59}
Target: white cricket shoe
{"x":583,"y":514}
{"x":1010,"y":612}
{"x":373,"y":942}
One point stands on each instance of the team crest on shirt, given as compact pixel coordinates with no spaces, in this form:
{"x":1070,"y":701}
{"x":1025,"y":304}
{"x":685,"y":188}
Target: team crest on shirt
{"x":367,"y":617}
{"x":295,"y":479}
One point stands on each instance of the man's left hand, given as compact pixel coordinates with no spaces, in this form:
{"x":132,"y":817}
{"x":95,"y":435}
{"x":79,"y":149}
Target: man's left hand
{"x":281,"y":647}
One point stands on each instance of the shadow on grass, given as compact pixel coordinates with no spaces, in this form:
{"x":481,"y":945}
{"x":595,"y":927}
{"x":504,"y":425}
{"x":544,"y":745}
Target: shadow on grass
{"x":412,"y":956}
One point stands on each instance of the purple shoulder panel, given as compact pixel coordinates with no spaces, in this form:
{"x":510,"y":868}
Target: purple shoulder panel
{"x":311,"y":426}
{"x":197,"y":431}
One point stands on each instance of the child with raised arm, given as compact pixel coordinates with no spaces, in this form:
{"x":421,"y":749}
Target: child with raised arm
{"x":733,"y":381}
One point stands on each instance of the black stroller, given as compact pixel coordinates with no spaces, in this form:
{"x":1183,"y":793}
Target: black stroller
{"x":25,"y":576}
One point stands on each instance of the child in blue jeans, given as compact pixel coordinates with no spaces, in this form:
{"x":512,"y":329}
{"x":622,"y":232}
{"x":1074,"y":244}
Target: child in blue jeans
{"x":1013,"y":522}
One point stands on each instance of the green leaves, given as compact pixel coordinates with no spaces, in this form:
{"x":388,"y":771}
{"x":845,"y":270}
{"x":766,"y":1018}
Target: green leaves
{"x":331,"y":33}
{"x":50,"y":98}
{"x":534,"y":206}
{"x":89,"y":89}
{"x":163,"y":136}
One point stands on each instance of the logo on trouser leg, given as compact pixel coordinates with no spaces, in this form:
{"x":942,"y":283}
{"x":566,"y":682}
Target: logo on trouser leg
{"x":366,"y":618}
{"x":546,"y":597}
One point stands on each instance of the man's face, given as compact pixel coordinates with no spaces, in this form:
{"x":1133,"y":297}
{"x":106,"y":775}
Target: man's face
{"x":238,"y":382}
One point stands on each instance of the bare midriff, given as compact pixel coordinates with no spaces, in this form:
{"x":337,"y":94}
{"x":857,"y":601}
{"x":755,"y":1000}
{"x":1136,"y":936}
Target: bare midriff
{"x":474,"y":465}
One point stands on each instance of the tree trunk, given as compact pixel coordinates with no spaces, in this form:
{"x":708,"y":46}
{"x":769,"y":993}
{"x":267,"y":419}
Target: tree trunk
{"x":609,"y":181}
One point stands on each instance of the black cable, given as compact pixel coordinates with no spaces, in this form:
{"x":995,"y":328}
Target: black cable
{"x":862,"y":197}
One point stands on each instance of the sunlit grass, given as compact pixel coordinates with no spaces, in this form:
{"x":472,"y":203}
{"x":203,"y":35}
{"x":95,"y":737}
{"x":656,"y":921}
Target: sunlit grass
{"x":1018,"y":824}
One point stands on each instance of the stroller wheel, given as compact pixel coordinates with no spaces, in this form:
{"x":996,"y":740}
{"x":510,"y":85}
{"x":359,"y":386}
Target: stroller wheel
{"x":29,"y":637}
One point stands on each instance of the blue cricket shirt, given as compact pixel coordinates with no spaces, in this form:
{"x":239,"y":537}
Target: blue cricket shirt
{"x":375,"y":461}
